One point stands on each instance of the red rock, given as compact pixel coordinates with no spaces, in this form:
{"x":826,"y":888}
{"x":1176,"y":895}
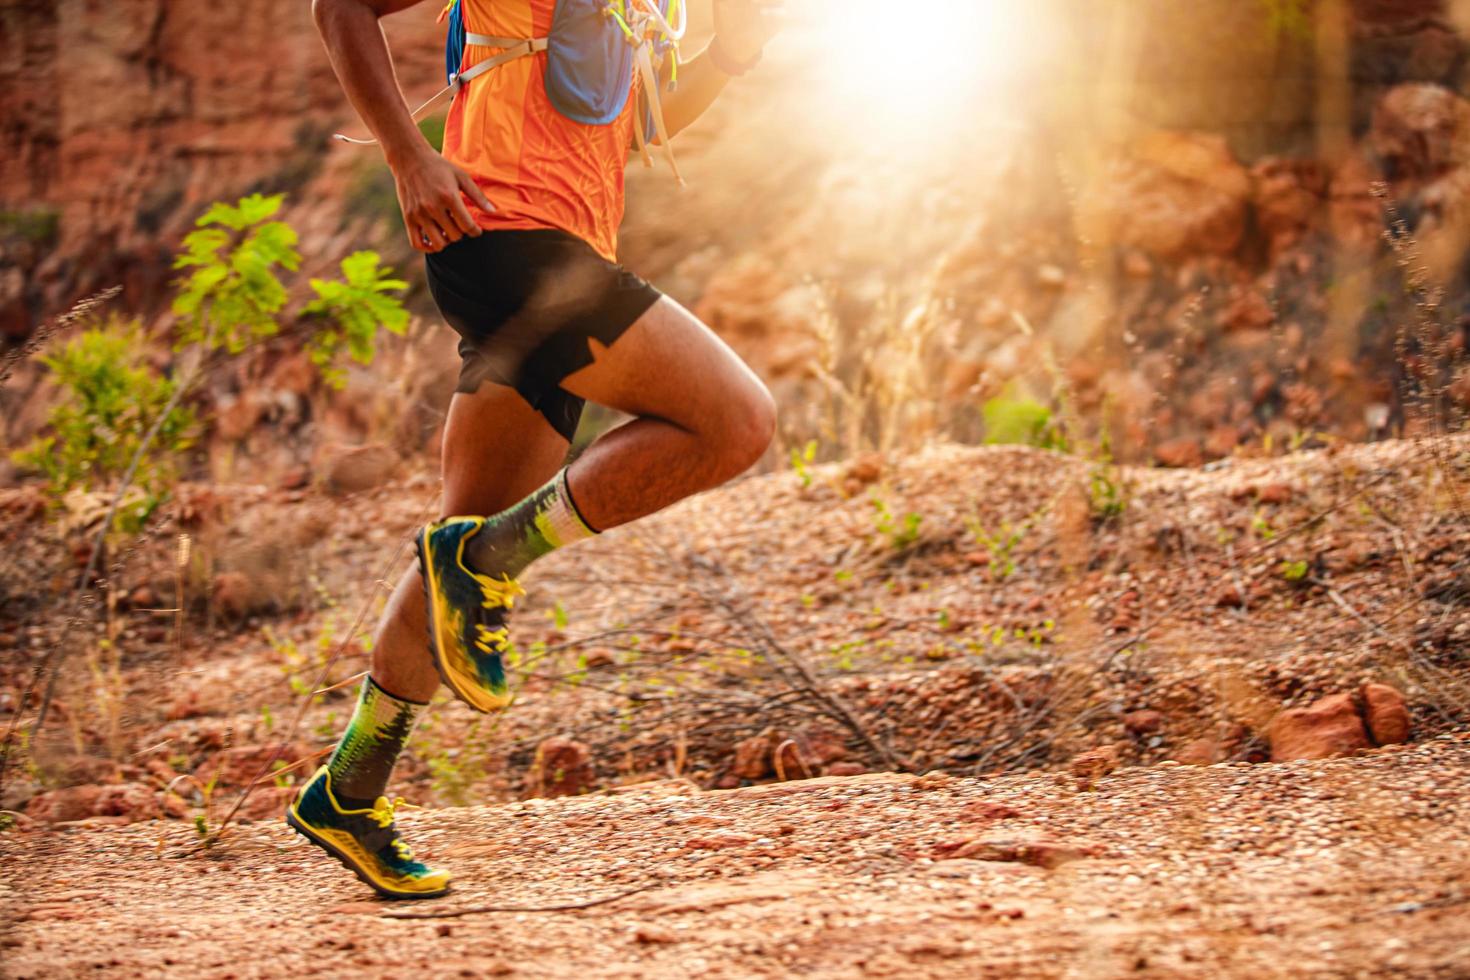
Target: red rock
{"x":1041,"y":852}
{"x":1200,"y":752}
{"x":357,"y":468}
{"x":1414,"y":131}
{"x":846,"y":769}
{"x":235,"y":595}
{"x":1385,"y":713}
{"x":266,"y":800}
{"x":191,"y":704}
{"x":1274,"y":493}
{"x":1094,"y":764}
{"x":753,"y":757}
{"x":563,"y":767}
{"x":653,"y":935}
{"x":1327,"y":728}
{"x":1184,"y":451}
{"x":1248,"y":310}
{"x":1144,"y":721}
{"x":1229,"y":597}
{"x":865,"y":469}
{"x":238,"y":765}
{"x":1289,"y":196}
{"x":986,"y":810}
{"x":1172,"y":195}
{"x":294,"y":478}
{"x":719,"y":840}
{"x":1221,"y":441}
{"x":132,"y":801}
{"x":821,"y":745}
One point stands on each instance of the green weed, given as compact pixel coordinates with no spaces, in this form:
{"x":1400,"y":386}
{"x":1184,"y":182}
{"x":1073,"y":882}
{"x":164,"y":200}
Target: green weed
{"x":110,"y":396}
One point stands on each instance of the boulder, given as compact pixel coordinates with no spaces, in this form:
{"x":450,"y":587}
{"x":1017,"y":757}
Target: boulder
{"x":1385,"y":713}
{"x":1183,"y":452}
{"x":131,"y":801}
{"x":1324,"y":729}
{"x":1145,"y":721}
{"x":1090,"y":766}
{"x":1201,"y":752}
{"x":753,"y":757}
{"x":1172,"y":195}
{"x":353,"y":469}
{"x":563,"y":767}
{"x":1290,"y":197}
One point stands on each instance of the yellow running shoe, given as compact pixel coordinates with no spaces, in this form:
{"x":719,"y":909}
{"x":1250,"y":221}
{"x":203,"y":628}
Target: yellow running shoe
{"x":365,"y":841}
{"x":466,"y":614}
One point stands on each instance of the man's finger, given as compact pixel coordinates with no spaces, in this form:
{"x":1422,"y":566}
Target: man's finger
{"x":468,"y":185}
{"x":442,"y":231}
{"x":459,"y":215}
{"x":430,"y":240}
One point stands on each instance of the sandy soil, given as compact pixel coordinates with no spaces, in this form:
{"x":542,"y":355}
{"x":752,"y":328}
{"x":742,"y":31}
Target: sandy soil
{"x":1345,"y":868}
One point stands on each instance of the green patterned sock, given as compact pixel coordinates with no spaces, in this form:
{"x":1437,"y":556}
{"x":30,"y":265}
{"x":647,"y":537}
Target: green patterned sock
{"x":523,"y":532}
{"x":376,"y":734}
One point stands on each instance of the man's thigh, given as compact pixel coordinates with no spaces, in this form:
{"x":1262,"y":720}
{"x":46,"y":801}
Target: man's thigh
{"x":497,"y":449}
{"x":667,"y":365}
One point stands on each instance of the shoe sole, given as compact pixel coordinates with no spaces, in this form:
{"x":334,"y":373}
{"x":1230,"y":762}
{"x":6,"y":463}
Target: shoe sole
{"x":305,"y":831}
{"x":426,"y":577}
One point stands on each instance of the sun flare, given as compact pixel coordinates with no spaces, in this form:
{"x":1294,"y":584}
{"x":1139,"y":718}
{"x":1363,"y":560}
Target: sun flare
{"x":904,"y":60}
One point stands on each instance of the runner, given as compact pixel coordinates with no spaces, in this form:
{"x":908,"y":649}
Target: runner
{"x":519,"y":220}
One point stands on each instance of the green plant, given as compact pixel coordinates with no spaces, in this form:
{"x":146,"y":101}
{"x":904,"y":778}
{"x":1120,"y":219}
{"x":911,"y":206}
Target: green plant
{"x":1020,"y":421}
{"x":457,"y":759}
{"x":900,"y":532}
{"x":233,"y":294}
{"x":110,"y":396}
{"x":801,"y":461}
{"x":35,"y":225}
{"x":1294,"y":571}
{"x":1000,"y":546}
{"x":1290,"y":17}
{"x":351,"y":311}
{"x":1107,"y":490}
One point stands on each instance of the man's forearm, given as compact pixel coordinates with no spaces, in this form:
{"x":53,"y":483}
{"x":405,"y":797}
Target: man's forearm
{"x":359,"y":53}
{"x":700,"y":83}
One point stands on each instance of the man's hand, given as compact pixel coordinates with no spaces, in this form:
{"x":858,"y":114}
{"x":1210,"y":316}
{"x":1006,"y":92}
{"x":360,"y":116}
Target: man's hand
{"x":744,"y":26}
{"x":434,"y":213}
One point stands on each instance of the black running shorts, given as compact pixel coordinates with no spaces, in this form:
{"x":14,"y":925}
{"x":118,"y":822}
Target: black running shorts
{"x":525,"y":305}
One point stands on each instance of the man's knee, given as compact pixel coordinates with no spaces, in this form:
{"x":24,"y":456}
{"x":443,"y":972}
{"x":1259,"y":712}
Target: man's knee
{"x":750,"y":426}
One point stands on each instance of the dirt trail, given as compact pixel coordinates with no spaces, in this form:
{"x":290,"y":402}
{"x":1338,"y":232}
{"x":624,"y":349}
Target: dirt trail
{"x":1351,"y":867}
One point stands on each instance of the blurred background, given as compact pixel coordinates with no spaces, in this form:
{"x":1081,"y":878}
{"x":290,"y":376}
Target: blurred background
{"x":1167,"y":221}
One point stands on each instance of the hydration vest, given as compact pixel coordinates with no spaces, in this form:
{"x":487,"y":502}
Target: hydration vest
{"x":592,"y":51}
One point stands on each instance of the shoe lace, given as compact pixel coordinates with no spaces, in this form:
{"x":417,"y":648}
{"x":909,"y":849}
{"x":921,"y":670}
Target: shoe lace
{"x":489,"y":640}
{"x":500,"y":593}
{"x":382,"y":814}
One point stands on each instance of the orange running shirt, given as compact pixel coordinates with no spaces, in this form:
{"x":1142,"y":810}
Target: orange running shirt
{"x":539,"y":168}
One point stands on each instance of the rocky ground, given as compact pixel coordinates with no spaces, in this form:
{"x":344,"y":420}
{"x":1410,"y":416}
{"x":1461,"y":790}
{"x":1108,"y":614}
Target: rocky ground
{"x":1344,"y":868}
{"x":1220,"y":732}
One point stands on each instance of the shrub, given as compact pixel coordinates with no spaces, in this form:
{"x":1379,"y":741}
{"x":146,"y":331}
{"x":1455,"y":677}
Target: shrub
{"x":234,"y":296}
{"x":351,"y":310}
{"x":110,"y":398}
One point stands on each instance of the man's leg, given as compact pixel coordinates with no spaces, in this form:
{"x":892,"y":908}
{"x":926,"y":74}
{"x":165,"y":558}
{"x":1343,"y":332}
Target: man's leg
{"x":701,"y":417}
{"x":497,"y":449}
